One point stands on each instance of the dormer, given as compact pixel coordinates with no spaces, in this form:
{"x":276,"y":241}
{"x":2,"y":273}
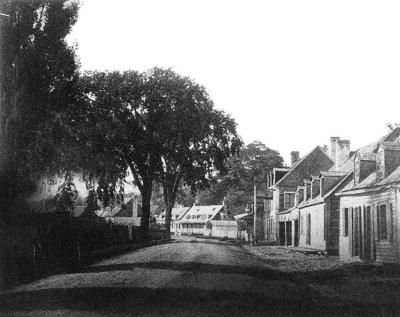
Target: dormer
{"x":315,"y":186}
{"x":364,"y":165}
{"x":387,"y":158}
{"x":328,"y":180}
{"x":299,"y":195}
{"x":307,"y":189}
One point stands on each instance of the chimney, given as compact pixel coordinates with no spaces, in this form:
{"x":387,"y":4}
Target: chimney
{"x":294,"y":157}
{"x":334,"y":140}
{"x":342,"y":152}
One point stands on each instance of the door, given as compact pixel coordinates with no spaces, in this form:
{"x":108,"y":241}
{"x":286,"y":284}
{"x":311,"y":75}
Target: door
{"x":296,"y":233}
{"x":288,"y":233}
{"x":282,"y":233}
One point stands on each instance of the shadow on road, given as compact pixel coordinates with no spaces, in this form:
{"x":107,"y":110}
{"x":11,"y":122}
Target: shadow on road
{"x":259,"y":272}
{"x":176,"y":302}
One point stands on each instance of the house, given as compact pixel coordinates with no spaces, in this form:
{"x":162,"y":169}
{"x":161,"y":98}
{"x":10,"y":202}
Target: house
{"x":318,"y":205}
{"x":176,"y":214}
{"x":369,"y":203}
{"x":195,"y":219}
{"x":282,"y":215}
{"x":128,"y":213}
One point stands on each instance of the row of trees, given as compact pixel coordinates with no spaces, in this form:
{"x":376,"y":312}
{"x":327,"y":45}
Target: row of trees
{"x":157,"y":125}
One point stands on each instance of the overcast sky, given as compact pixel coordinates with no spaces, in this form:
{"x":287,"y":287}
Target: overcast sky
{"x":292,"y":73}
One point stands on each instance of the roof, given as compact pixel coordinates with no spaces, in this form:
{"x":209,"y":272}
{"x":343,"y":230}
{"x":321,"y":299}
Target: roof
{"x":367,"y":152}
{"x":332,"y":173}
{"x":176,"y":213}
{"x":122,"y":210}
{"x":242,"y":216}
{"x":202,"y":213}
{"x":299,"y":163}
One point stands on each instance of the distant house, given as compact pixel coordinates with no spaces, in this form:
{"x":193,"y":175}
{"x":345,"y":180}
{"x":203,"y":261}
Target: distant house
{"x":282,"y":215}
{"x":128,"y":213}
{"x":176,"y":214}
{"x":369,"y":203}
{"x":195,"y":219}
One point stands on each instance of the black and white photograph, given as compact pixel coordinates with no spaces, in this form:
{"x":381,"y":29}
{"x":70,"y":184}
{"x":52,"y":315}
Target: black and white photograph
{"x":199,"y":158}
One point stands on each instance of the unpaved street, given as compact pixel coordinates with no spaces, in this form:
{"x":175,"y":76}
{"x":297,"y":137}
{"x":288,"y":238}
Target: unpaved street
{"x":189,"y":276}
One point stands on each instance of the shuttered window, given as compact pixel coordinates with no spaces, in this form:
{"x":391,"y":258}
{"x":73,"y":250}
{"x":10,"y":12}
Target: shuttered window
{"x":346,"y":222}
{"x":382,"y":222}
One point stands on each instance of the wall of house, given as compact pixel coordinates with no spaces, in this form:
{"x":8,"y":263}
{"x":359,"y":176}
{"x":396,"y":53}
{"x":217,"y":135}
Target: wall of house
{"x":386,"y":250}
{"x":317,"y":227}
{"x":192,"y":228}
{"x":224,"y":229}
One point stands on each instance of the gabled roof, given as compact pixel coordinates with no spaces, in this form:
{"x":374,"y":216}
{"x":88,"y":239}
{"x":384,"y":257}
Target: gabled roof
{"x":202,"y":213}
{"x":299,"y":164}
{"x":176,"y":213}
{"x":367,"y":152}
{"x":122,"y":210}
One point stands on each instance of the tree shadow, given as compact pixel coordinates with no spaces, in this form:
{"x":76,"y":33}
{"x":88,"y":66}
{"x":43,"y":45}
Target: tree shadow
{"x":178,"y":301}
{"x":254,"y":271}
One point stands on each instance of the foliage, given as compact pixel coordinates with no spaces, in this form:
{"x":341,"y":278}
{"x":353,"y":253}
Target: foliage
{"x":254,"y":162}
{"x":37,"y":75}
{"x":195,"y":139}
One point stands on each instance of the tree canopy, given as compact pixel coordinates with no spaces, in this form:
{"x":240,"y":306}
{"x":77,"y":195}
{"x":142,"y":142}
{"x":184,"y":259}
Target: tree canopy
{"x":158,"y":125}
{"x":254,"y":162}
{"x":38,"y":71}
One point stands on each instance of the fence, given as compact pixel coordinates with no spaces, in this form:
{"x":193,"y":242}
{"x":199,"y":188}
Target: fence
{"x":53,"y":243}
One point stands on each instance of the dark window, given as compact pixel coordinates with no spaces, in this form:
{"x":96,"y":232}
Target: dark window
{"x":289,"y":200}
{"x":391,"y":222}
{"x":346,"y":222}
{"x":382,"y":222}
{"x":308,"y":238}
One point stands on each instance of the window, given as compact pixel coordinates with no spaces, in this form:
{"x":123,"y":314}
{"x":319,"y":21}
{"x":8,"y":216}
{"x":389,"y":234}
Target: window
{"x":346,"y":222}
{"x":308,"y":238}
{"x":382,"y":222}
{"x":391,"y":223}
{"x":301,"y":224}
{"x":288,"y":200}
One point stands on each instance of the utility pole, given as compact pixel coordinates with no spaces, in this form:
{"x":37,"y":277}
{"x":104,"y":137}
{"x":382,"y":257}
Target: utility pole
{"x":255,"y":211}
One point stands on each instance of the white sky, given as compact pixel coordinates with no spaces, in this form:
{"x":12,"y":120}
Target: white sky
{"x":292,"y":73}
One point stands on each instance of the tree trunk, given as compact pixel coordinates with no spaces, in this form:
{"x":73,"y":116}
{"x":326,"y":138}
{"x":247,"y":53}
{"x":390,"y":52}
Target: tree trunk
{"x":168,"y":211}
{"x":145,"y":220}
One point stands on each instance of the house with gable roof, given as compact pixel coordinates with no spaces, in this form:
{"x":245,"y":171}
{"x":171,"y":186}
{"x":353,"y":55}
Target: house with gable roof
{"x":176,"y":214}
{"x":281,"y":218}
{"x":128,"y":213}
{"x":196,"y":218}
{"x":369,"y":203}
{"x":317,"y":204}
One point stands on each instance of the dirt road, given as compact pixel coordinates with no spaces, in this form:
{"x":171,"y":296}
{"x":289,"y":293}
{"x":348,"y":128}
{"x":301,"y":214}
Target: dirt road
{"x":189,"y":277}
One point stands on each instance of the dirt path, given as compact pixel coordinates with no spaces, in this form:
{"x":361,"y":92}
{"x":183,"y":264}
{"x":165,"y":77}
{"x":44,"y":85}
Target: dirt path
{"x":188,"y":277}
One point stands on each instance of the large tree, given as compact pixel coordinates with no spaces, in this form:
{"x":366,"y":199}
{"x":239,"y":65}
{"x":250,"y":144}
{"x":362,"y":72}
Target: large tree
{"x":196,"y":139}
{"x":158,"y":125}
{"x":37,"y":78}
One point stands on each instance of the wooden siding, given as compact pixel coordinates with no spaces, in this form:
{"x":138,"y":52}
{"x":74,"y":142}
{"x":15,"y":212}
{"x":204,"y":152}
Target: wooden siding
{"x":385,"y":250}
